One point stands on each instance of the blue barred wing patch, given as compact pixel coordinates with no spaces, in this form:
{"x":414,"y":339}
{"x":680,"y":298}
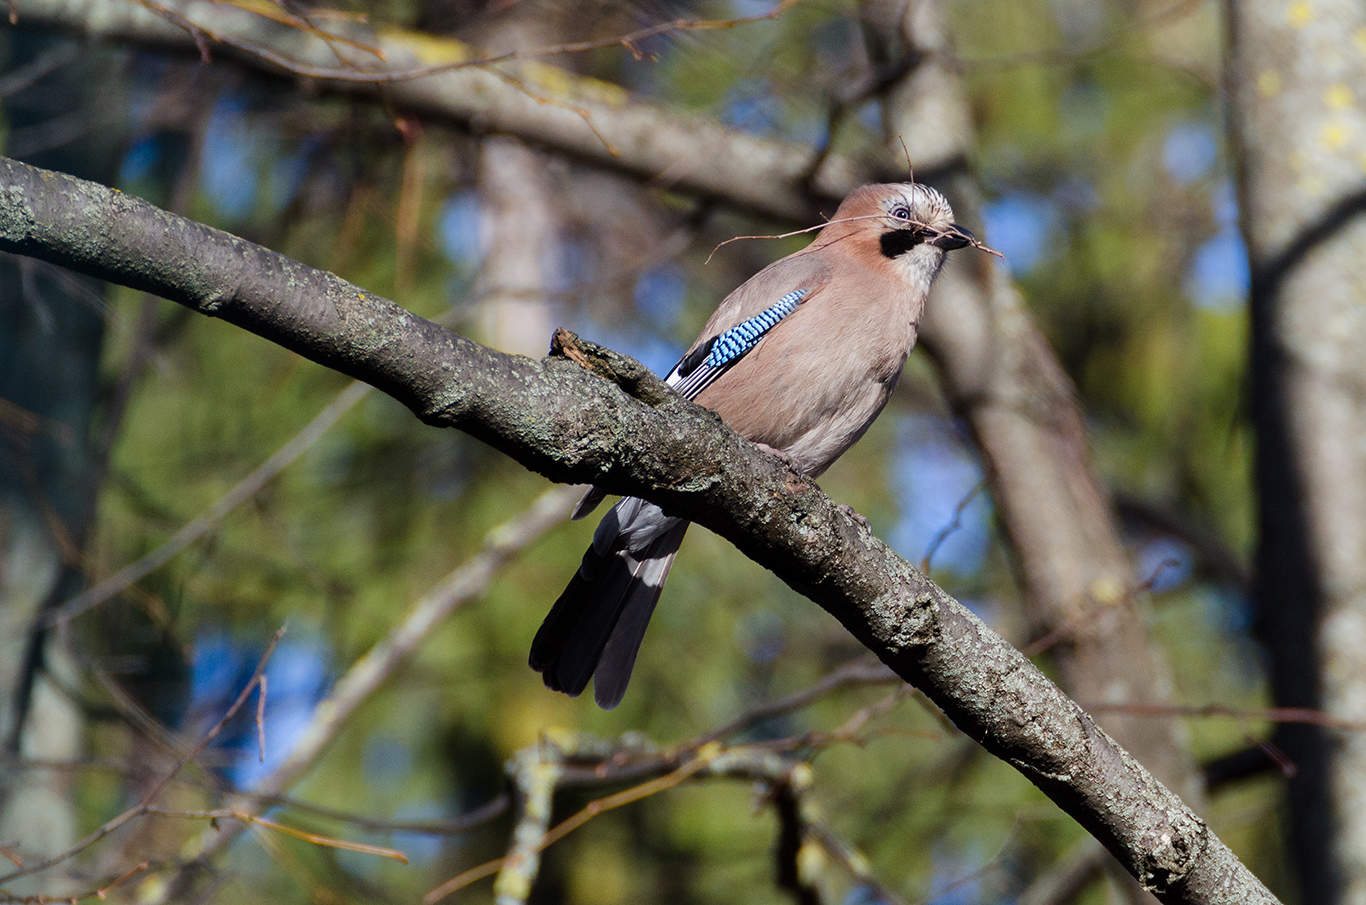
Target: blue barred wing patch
{"x":738,"y":340}
{"x":696,"y":371}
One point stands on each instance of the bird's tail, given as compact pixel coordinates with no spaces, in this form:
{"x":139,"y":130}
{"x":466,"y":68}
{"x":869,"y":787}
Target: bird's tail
{"x":595,"y":628}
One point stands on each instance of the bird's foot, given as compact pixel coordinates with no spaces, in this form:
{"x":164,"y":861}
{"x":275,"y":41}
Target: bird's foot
{"x":856,"y":515}
{"x":781,"y":454}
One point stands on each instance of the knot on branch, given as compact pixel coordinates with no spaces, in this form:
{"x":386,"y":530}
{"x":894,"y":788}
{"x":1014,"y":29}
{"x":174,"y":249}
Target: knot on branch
{"x":912,"y":616}
{"x":634,"y":378}
{"x":1167,"y":861}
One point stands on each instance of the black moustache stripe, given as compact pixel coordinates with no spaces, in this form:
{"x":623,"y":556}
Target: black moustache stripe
{"x":897,"y":242}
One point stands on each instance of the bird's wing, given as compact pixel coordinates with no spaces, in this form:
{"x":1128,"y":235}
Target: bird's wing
{"x":745,"y":317}
{"x":742,"y":319}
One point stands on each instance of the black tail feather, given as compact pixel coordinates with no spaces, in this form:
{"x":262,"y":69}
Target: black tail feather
{"x":618,"y":656}
{"x":567,"y":646}
{"x":610,"y":597}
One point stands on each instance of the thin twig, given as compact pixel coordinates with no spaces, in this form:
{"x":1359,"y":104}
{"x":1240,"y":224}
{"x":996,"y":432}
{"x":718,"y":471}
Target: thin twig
{"x":930,"y":233}
{"x":992,"y":863}
{"x":143,"y":806}
{"x":594,"y":808}
{"x":544,"y":100}
{"x":1086,"y":615}
{"x":38,"y":68}
{"x":261,"y":719}
{"x":1302,"y":715}
{"x":462,"y":823}
{"x":541,"y":770}
{"x":454,"y":826}
{"x":954,"y":524}
{"x":1066,"y":880}
{"x":370,"y":673}
{"x":305,"y":24}
{"x":214,"y":814}
{"x":208,"y":520}
{"x":1077,"y":54}
{"x":101,"y":892}
{"x":351,"y":74}
{"x":861,"y":671}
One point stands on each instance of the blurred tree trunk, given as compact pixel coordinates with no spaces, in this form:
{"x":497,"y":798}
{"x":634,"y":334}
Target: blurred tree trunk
{"x":999,"y":372}
{"x":47,"y":482}
{"x":518,"y":229}
{"x":519,"y":242}
{"x":1297,"y":77}
{"x":1002,"y":377}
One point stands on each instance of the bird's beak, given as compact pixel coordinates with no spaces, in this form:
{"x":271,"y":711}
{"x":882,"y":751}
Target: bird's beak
{"x":956,"y":237}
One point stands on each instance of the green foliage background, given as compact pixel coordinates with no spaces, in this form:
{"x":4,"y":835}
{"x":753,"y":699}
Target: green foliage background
{"x":1072,"y":105}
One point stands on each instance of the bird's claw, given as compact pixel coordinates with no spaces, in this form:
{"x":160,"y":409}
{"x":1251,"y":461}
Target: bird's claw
{"x":855,"y":515}
{"x":787,"y":459}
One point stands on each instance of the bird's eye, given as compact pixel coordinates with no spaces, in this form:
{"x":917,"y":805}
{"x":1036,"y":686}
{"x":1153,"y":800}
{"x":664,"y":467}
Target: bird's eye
{"x":901,"y":212}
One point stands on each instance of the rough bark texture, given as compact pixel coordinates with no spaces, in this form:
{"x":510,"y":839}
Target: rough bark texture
{"x":1000,"y":374}
{"x":1296,"y":77}
{"x":588,"y":415}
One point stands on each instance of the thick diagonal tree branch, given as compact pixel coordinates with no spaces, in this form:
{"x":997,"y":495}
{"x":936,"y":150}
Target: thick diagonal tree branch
{"x":588,"y":414}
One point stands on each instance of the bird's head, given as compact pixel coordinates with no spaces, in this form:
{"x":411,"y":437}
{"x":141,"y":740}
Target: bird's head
{"x":906,"y":224}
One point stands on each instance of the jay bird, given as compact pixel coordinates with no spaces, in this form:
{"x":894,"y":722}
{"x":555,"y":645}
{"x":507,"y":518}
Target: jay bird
{"x":800,"y":359}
